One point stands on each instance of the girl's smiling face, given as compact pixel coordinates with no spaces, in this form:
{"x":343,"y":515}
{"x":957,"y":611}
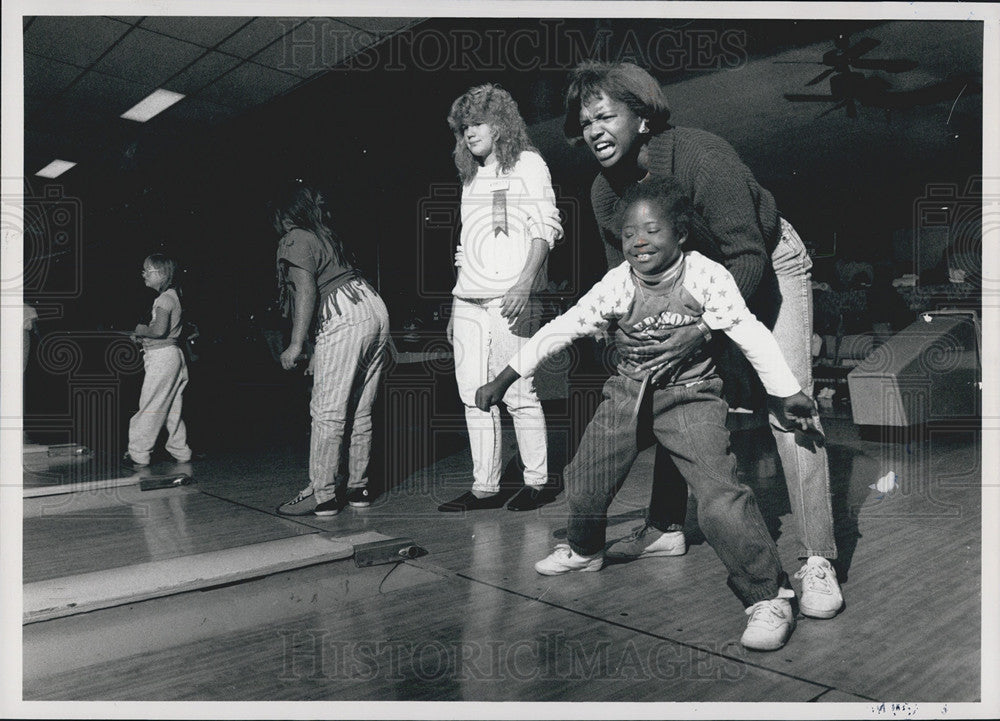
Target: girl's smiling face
{"x":479,"y":139}
{"x":648,"y":238}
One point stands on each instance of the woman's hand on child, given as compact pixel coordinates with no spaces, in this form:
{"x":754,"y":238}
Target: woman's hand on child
{"x":515,"y":300}
{"x":800,"y":410}
{"x":661,"y":354}
{"x":449,"y":331}
{"x":290,"y":356}
{"x":309,"y":368}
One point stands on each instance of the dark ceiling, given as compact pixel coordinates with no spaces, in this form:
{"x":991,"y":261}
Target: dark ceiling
{"x":360,"y":104}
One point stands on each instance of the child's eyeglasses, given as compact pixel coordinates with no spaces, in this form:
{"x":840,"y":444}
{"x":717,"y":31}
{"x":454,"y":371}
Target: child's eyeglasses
{"x":145,"y":272}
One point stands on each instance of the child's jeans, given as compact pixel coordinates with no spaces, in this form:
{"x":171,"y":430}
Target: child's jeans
{"x":690,"y":422}
{"x":484,"y":342}
{"x":803,"y":459}
{"x":347,"y":367}
{"x":160,"y":405}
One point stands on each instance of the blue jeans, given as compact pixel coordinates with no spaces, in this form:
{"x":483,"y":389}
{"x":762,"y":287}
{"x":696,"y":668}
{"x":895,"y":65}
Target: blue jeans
{"x":690,"y":422}
{"x":803,"y":460}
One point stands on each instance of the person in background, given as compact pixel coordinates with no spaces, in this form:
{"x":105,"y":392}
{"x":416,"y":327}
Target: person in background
{"x":166,"y":373}
{"x":327,"y":297}
{"x":509,"y":225}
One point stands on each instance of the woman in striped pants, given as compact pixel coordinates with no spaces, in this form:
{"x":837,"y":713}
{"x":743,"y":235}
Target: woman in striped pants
{"x":321,"y":289}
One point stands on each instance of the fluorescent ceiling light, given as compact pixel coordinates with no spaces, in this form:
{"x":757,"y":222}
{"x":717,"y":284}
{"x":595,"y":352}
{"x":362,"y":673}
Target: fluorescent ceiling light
{"x":158,"y":101}
{"x":55,"y":169}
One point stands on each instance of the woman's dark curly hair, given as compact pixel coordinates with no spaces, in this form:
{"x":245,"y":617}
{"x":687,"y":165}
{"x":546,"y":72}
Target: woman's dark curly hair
{"x":488,"y":104}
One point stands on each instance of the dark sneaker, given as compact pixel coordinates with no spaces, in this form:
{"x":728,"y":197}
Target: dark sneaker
{"x":128,"y":464}
{"x":302,"y":505}
{"x":531,"y":497}
{"x":468,"y":502}
{"x":359,"y":497}
{"x":332,"y":507}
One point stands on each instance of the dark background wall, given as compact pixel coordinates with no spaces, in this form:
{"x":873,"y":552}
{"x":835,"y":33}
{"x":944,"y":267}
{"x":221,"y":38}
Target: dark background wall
{"x":374,"y":132}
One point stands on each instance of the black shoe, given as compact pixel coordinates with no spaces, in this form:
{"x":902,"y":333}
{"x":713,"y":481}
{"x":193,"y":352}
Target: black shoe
{"x":359,"y":497}
{"x":468,"y":502}
{"x":332,"y":507}
{"x":128,"y":464}
{"x":531,"y":497}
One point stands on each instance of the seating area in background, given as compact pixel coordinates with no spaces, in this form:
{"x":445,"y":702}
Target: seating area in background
{"x":859,"y":306}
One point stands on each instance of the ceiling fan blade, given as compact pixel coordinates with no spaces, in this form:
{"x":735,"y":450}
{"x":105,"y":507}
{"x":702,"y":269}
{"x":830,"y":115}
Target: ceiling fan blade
{"x":795,"y":98}
{"x":889,"y":66}
{"x":822,"y":76}
{"x":838,"y":106}
{"x":861,"y":47}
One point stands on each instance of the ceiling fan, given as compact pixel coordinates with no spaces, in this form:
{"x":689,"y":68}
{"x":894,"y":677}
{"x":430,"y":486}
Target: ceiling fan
{"x":847,"y":86}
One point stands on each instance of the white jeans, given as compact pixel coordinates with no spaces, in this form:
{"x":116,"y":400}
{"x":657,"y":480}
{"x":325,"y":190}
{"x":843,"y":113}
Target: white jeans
{"x":484,"y":342}
{"x":160,"y":405}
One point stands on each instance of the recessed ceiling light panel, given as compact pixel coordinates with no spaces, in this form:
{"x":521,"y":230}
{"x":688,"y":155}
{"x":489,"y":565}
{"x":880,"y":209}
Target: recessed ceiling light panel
{"x":158,"y":101}
{"x":55,"y":169}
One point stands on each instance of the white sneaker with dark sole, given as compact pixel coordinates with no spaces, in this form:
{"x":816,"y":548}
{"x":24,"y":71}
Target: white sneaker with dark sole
{"x":564,"y":559}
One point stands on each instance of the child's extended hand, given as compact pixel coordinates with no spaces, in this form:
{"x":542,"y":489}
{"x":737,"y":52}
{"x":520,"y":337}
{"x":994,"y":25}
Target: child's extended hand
{"x":492,"y":393}
{"x":489,"y":395}
{"x":799,"y":410}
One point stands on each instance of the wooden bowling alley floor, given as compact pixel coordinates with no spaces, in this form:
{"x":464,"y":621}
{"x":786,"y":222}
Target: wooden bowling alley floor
{"x":472,"y":621}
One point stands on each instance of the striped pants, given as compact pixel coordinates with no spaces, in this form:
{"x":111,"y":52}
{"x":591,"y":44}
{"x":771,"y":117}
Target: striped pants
{"x":348,"y":365}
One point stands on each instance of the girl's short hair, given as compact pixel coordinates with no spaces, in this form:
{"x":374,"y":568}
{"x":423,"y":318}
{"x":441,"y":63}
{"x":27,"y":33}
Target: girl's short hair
{"x":669,"y":197}
{"x":166,"y":265}
{"x":491,"y":104}
{"x":624,"y":82}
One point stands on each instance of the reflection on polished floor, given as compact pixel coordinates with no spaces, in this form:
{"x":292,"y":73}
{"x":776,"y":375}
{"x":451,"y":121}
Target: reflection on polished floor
{"x":472,"y":621}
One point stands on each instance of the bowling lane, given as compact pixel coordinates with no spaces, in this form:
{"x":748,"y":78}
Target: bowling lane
{"x":90,"y":531}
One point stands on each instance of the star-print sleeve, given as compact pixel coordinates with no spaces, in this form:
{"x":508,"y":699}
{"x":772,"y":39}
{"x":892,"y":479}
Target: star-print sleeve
{"x":609,"y":299}
{"x":724,"y":309}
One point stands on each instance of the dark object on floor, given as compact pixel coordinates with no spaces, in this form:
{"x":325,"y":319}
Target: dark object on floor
{"x":169,"y":481}
{"x":390,"y":551}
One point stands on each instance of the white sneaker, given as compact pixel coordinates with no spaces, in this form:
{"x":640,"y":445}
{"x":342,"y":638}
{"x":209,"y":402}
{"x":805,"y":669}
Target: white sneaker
{"x":771,"y":623}
{"x":821,"y":596}
{"x":646,"y":542}
{"x":564,"y":559}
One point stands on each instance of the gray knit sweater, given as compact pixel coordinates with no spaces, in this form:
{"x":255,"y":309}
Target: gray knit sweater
{"x":736,"y":221}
